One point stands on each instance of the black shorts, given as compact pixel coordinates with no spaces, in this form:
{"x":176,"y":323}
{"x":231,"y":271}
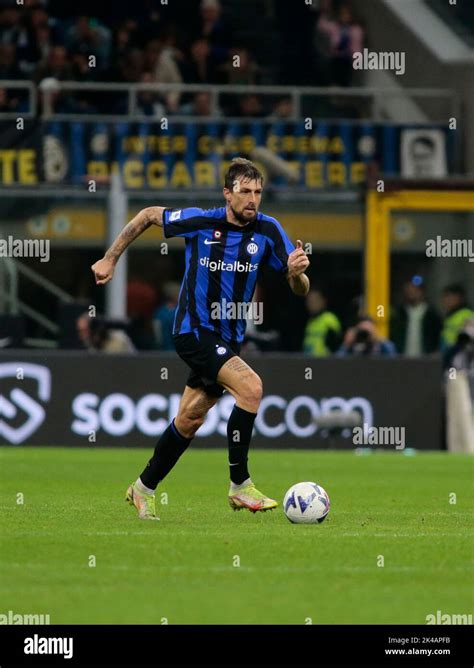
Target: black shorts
{"x":205,"y":356}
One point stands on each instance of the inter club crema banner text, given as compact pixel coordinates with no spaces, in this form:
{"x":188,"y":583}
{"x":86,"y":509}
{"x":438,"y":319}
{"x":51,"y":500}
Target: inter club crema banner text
{"x":175,"y":155}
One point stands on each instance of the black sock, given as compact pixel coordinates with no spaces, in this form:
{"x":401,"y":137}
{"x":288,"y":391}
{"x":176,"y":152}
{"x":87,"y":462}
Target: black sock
{"x":168,"y":450}
{"x":239,"y":433}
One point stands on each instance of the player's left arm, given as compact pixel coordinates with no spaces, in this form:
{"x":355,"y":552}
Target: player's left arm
{"x":297,"y":264}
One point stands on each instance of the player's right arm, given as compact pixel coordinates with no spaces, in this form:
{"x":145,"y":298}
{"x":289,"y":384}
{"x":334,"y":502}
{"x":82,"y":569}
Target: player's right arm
{"x":104,"y":269}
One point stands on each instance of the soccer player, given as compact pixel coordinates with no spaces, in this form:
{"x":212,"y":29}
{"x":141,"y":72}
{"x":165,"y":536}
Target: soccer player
{"x":225,"y":247}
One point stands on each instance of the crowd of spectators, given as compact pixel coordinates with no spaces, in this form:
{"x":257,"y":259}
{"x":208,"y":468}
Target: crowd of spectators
{"x":416,"y":327}
{"x":195,"y":42}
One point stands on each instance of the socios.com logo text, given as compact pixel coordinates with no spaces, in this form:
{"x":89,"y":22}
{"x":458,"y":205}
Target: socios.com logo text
{"x":118,"y":414}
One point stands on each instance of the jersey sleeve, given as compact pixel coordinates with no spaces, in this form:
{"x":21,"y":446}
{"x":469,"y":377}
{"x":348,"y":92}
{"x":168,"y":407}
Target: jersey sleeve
{"x":280,"y":248}
{"x":181,"y":222}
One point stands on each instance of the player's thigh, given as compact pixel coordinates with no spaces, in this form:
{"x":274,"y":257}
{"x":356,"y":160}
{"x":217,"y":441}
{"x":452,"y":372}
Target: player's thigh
{"x":195,"y":403}
{"x":241,"y":381}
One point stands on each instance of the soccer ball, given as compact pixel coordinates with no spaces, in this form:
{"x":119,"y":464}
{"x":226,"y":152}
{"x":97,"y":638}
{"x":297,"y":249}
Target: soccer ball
{"x":306,"y":503}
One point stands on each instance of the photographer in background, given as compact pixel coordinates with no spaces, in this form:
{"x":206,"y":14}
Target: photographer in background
{"x":363,"y":340}
{"x":98,"y":335}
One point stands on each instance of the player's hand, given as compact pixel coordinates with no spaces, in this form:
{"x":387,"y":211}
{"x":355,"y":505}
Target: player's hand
{"x":103,"y":271}
{"x":297,"y":261}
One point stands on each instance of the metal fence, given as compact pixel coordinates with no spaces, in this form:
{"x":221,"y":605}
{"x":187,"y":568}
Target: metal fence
{"x":371,"y":102}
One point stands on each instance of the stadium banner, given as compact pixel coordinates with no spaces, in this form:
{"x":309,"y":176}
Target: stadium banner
{"x":72,"y":398}
{"x":317,"y":155}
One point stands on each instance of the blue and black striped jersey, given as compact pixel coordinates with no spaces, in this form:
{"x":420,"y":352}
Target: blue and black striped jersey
{"x":222,"y":263}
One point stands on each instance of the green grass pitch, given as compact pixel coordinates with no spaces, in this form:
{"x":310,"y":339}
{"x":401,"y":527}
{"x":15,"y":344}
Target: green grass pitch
{"x":183,"y":570}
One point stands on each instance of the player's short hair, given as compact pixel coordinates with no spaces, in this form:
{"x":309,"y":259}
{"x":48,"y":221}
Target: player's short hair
{"x":241,"y":167}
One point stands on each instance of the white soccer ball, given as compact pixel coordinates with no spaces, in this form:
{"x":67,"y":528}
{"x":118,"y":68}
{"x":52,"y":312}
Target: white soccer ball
{"x":306,"y":503}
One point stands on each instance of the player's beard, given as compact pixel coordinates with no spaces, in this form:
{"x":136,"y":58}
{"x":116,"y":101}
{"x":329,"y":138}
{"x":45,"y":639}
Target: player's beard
{"x":240,"y":216}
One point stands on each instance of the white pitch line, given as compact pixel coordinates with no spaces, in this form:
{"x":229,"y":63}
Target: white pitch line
{"x":281,"y":569}
{"x":328,"y":534}
{"x":80,"y":533}
{"x":116,"y":533}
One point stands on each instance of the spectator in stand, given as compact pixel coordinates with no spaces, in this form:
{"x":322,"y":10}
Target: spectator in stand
{"x":55,"y":66}
{"x":250,"y":105}
{"x":10,"y":23}
{"x":146,"y":19}
{"x":200,"y":106}
{"x":241,"y":69}
{"x":282,"y":110}
{"x":39,"y":31}
{"x":132,"y":66}
{"x":214,"y":29}
{"x":345,"y":38}
{"x":8,"y":102}
{"x":164,"y":316}
{"x":80,"y":70}
{"x":323,"y":330}
{"x":97,"y":336}
{"x":141,"y":303}
{"x":322,"y":46}
{"x":122,"y":42}
{"x":11,"y":100}
{"x":150,"y":103}
{"x":415,"y":326}
{"x":364,"y":340}
{"x":8,"y":65}
{"x":199,"y":65}
{"x":457,"y":313}
{"x":80,"y":102}
{"x":90,"y":38}
{"x":42,"y":45}
{"x":160,"y":60}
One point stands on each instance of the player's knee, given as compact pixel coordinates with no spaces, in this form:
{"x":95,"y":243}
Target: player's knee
{"x":251,"y":394}
{"x":257,"y":391}
{"x":189,"y":423}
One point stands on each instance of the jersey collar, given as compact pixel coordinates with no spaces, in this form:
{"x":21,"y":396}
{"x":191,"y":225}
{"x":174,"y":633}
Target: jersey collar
{"x":232,"y":227}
